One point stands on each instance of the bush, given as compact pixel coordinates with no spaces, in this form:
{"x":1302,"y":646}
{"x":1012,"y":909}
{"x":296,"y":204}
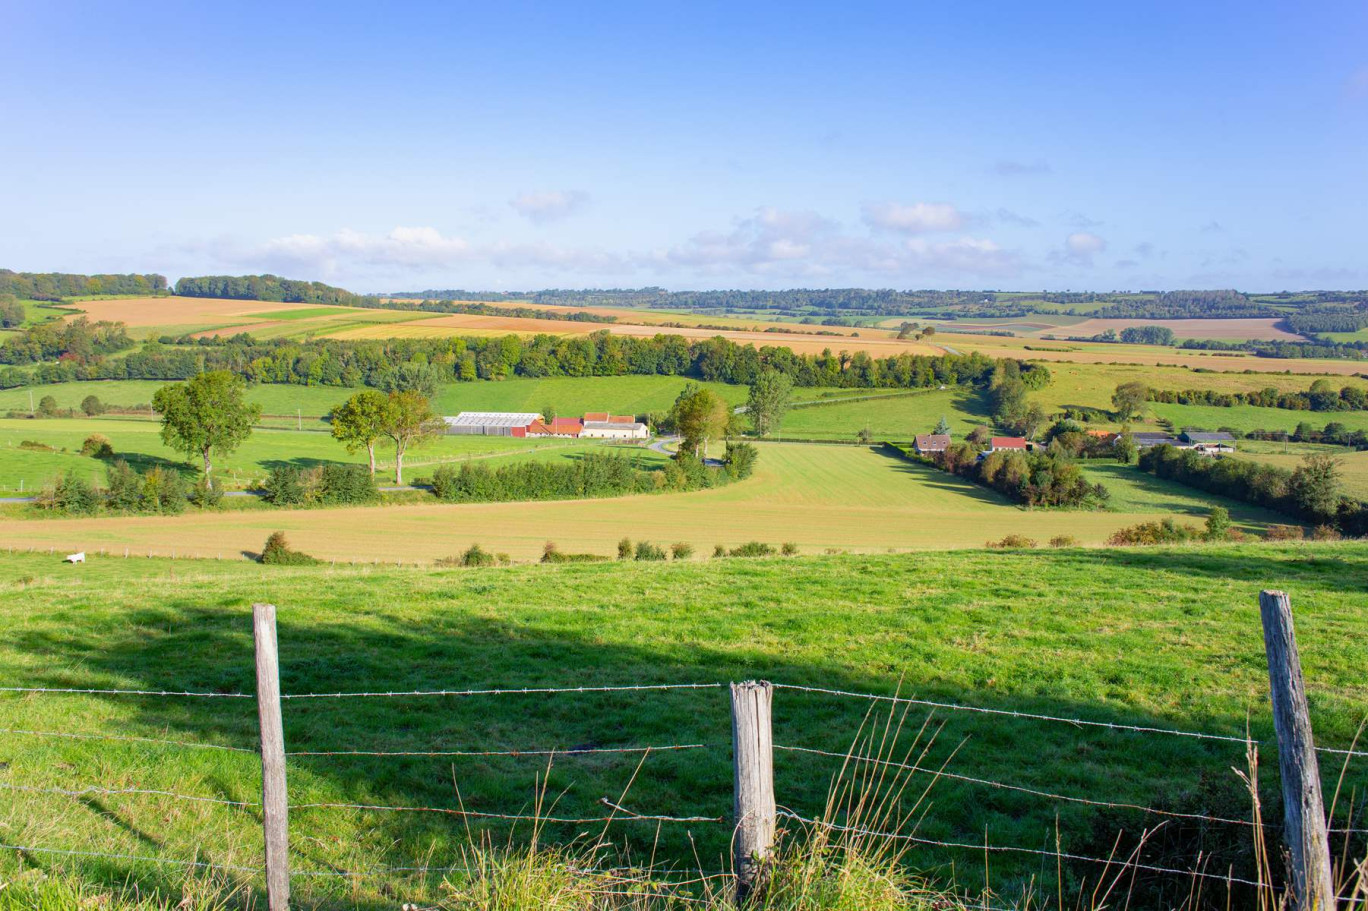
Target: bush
{"x":1147,"y":533}
{"x":645,"y":550}
{"x":91,"y":406}
{"x":347,"y":484}
{"x":1218,"y":524}
{"x":35,"y":446}
{"x":47,"y":407}
{"x":1326,"y":533}
{"x":719,"y":551}
{"x":70,"y":494}
{"x":277,"y":552}
{"x":1013,"y":542}
{"x":97,"y":446}
{"x":1063,"y":541}
{"x":204,"y":496}
{"x":475,"y":555}
{"x":1284,"y":533}
{"x":789,"y":549}
{"x":681,"y":550}
{"x":163,"y":491}
{"x":740,"y":460}
{"x":625,"y":549}
{"x":752,"y":549}
{"x":124,"y":493}
{"x":290,"y":486}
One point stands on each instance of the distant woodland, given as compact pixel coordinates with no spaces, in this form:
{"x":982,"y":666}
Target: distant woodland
{"x":53,"y":286}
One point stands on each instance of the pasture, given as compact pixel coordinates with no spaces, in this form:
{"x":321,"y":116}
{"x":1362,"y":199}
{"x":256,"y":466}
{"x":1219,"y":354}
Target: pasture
{"x":1353,"y":465}
{"x":817,"y":496}
{"x":139,"y":443}
{"x":1163,"y":637}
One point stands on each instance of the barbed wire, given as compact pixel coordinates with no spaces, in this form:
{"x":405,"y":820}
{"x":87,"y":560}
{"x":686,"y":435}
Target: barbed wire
{"x":988,"y":782}
{"x":1034,"y":716}
{"x":114,"y":792}
{"x":478,"y":814}
{"x":114,"y":692}
{"x":141,"y":858}
{"x":128,"y":738}
{"x":510,"y":691}
{"x":569,"y":751}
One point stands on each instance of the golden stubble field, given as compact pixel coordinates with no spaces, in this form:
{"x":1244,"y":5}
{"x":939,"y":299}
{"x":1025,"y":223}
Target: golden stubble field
{"x":815,"y":496}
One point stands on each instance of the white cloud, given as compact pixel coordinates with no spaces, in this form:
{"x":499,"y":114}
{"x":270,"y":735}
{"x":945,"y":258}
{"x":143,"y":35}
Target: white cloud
{"x":1008,"y":217}
{"x":768,"y":237}
{"x":962,"y":256}
{"x":918,"y":218}
{"x":1079,"y":249}
{"x":549,"y":205}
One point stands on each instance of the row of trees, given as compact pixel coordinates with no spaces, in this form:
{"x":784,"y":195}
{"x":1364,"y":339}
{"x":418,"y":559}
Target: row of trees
{"x":1035,"y":478}
{"x":1311,"y":492}
{"x":404,"y":363}
{"x":1007,"y":388}
{"x":1322,"y":396}
{"x":52,"y":286}
{"x":265,"y":288}
{"x":77,"y":342}
{"x":12,"y":313}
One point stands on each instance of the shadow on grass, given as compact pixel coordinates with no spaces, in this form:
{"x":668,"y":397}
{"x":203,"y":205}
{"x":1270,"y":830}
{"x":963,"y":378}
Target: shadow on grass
{"x":481,"y":629}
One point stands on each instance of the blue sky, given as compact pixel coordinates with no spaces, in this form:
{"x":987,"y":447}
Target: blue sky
{"x":691,"y":145}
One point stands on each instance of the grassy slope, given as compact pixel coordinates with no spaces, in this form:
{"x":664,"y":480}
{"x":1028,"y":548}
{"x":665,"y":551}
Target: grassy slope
{"x":1166,"y":637}
{"x":815,"y":496}
{"x":895,"y":417}
{"x":1353,"y":465}
{"x":139,"y":442}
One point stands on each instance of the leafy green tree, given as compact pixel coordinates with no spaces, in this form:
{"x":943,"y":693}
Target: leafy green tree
{"x":769,"y":400}
{"x":207,"y":415}
{"x":360,"y":422}
{"x":1218,"y":524}
{"x":699,"y":415}
{"x":1315,"y":486}
{"x":91,"y":406}
{"x":549,"y":413}
{"x":942,"y":427}
{"x":409,"y":422}
{"x":1129,"y":399}
{"x":1124,"y":448}
{"x":47,"y":407}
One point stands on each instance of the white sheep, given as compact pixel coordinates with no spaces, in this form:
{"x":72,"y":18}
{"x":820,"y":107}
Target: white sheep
{"x":75,"y":558}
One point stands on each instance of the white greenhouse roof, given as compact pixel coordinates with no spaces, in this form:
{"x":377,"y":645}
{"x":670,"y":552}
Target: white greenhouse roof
{"x":493,"y":419}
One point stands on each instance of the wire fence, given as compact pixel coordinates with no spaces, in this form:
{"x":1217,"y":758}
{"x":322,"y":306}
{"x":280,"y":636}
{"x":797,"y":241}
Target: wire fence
{"x":612,"y":810}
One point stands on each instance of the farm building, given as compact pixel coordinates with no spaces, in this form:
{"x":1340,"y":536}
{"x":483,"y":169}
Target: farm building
{"x":1209,"y":442}
{"x":932,"y":442}
{"x":1014,"y":444}
{"x":614,"y":430}
{"x":1146,"y":440}
{"x":1104,"y":436}
{"x":491,"y":423}
{"x":558,"y":427}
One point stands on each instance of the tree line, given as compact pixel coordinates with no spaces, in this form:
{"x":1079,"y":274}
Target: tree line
{"x":1213,"y":304}
{"x":1309,"y":493}
{"x":53,"y":286}
{"x":422,"y":364}
{"x":1037,"y":478}
{"x":1322,"y":396}
{"x":266,"y":288}
{"x":77,"y":342}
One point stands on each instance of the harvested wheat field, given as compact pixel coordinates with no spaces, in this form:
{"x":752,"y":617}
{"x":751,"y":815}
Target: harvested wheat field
{"x":1234,"y":329}
{"x":137,"y":312}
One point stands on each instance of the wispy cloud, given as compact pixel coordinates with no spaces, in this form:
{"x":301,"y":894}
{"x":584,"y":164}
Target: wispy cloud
{"x":549,"y":205}
{"x":918,"y":218}
{"x":1008,"y":168}
{"x":1008,"y":217}
{"x":1212,"y":227}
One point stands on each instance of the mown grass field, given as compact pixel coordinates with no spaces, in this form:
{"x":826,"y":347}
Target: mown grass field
{"x":1161,"y":637}
{"x":139,"y":443}
{"x":1353,"y":465}
{"x":897,"y":417}
{"x":816,"y":496}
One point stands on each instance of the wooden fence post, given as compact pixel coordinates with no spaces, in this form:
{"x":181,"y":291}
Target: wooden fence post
{"x":1303,"y":806}
{"x":274,"y":797}
{"x":753,"y":775}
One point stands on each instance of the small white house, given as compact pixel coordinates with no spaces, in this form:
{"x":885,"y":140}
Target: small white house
{"x":614,"y":430}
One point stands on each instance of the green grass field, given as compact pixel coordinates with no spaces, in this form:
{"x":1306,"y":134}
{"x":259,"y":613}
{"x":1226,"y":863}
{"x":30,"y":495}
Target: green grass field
{"x":139,"y":443}
{"x":816,"y":496}
{"x":889,"y":418}
{"x":1353,"y":465}
{"x":1161,"y":637}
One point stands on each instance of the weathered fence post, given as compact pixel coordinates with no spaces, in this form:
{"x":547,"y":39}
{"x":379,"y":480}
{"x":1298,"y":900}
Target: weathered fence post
{"x":1303,"y":806}
{"x":274,"y":798}
{"x":753,"y":774}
